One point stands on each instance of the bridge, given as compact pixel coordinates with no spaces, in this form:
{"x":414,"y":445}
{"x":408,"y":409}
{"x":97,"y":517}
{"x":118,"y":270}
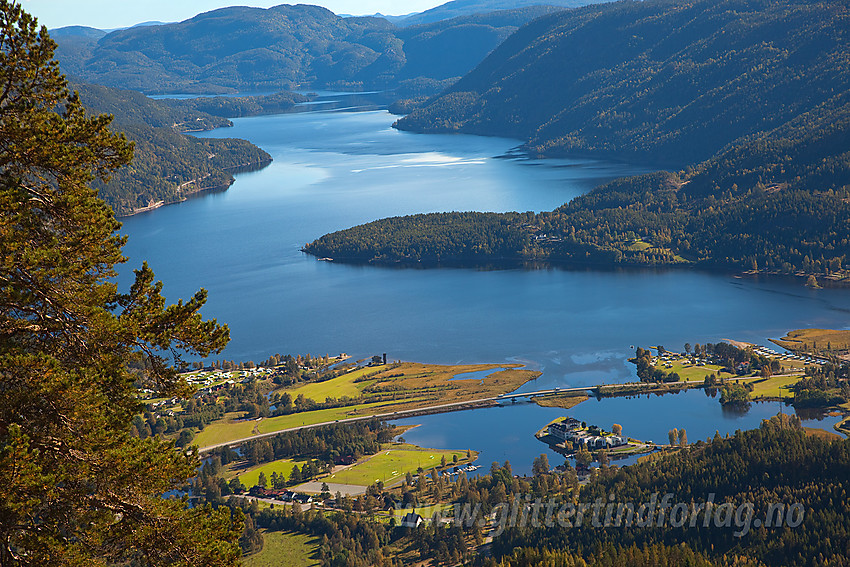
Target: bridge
{"x":541,"y":393}
{"x":592,"y":390}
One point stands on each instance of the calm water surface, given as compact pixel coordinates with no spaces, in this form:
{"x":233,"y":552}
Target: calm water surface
{"x":332,"y":170}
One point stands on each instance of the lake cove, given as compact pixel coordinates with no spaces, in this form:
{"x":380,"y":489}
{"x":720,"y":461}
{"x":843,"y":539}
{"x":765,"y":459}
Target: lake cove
{"x":333,"y":170}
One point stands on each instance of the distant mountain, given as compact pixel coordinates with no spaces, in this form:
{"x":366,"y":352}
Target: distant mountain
{"x":392,"y":19}
{"x":750,"y":99}
{"x":252,"y":49}
{"x":77,"y":31}
{"x":149,"y":23}
{"x":167,"y":165}
{"x":470,"y":7}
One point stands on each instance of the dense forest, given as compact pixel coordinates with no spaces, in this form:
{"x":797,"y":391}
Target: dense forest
{"x":168,"y":165}
{"x":644,"y":221}
{"x":753,"y":95}
{"x":253,"y":50}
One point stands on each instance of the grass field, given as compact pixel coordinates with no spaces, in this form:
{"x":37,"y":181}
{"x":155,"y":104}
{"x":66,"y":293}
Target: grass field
{"x":338,"y":387}
{"x":691,"y":372}
{"x":391,"y":465}
{"x":231,"y":428}
{"x":639,"y":246}
{"x":427,"y":512}
{"x":773,"y":387}
{"x":284,"y":549}
{"x":224,"y":430}
{"x":283,"y":467}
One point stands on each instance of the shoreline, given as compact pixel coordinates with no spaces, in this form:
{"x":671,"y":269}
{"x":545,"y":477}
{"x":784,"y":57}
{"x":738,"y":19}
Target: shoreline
{"x":829,"y":281}
{"x":186,"y":195}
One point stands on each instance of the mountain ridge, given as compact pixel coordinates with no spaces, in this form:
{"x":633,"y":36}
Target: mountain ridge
{"x":241,"y":49}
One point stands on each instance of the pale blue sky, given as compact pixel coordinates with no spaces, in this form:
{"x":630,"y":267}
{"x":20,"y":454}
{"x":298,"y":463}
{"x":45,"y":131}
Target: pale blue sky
{"x":106,"y":14}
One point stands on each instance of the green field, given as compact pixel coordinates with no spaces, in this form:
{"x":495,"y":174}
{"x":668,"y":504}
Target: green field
{"x":391,"y":465}
{"x":227,"y":429}
{"x":691,"y":372}
{"x":284,"y":549}
{"x":231,"y":429}
{"x":773,"y":387}
{"x":336,"y":387}
{"x":639,"y":246}
{"x":283,"y":467}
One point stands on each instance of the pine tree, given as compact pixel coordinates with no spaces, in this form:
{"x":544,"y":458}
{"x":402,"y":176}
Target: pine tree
{"x":76,"y":488}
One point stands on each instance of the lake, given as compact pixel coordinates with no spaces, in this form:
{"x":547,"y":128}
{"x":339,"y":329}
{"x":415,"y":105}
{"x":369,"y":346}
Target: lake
{"x":335,"y":169}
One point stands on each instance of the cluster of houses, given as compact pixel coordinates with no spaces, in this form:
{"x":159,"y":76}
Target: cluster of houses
{"x":282,"y":495}
{"x":571,"y":431}
{"x":215,"y":380}
{"x":805,"y":358}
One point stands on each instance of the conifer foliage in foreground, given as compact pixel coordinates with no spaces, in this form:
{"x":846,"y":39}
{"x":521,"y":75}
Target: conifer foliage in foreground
{"x":75,"y":487}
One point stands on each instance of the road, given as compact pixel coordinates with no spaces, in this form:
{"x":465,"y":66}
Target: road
{"x":441,"y":408}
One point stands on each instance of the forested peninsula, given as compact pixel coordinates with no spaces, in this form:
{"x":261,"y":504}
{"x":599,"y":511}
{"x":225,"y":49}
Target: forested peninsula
{"x":750,"y":100}
{"x":168,"y":165}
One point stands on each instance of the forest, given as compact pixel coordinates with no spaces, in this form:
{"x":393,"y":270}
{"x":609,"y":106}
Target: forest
{"x":644,"y":221}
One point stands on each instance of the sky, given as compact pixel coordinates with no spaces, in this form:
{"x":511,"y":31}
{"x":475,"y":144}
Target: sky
{"x":108,"y":14}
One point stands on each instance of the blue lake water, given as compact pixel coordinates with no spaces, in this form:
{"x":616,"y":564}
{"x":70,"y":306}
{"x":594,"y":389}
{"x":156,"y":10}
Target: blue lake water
{"x":333,"y":170}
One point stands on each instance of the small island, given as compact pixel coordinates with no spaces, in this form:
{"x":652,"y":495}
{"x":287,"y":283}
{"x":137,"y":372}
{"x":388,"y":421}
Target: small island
{"x":569,"y":436}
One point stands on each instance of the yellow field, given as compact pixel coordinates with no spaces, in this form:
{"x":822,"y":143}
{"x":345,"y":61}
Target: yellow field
{"x":411,"y":377}
{"x":337,"y":387}
{"x":412,"y":381}
{"x":560,"y":401}
{"x":822,"y":433}
{"x":231,"y":429}
{"x":804,"y":340}
{"x":227,"y":429}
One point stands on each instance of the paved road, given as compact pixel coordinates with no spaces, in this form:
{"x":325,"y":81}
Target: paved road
{"x":333,"y":487}
{"x":441,"y":408}
{"x":454,"y":406}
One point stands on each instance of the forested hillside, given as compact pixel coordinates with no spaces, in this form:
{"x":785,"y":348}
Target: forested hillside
{"x":750,"y":98}
{"x":167,"y":165}
{"x":659,"y":80}
{"x":257,"y":50}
